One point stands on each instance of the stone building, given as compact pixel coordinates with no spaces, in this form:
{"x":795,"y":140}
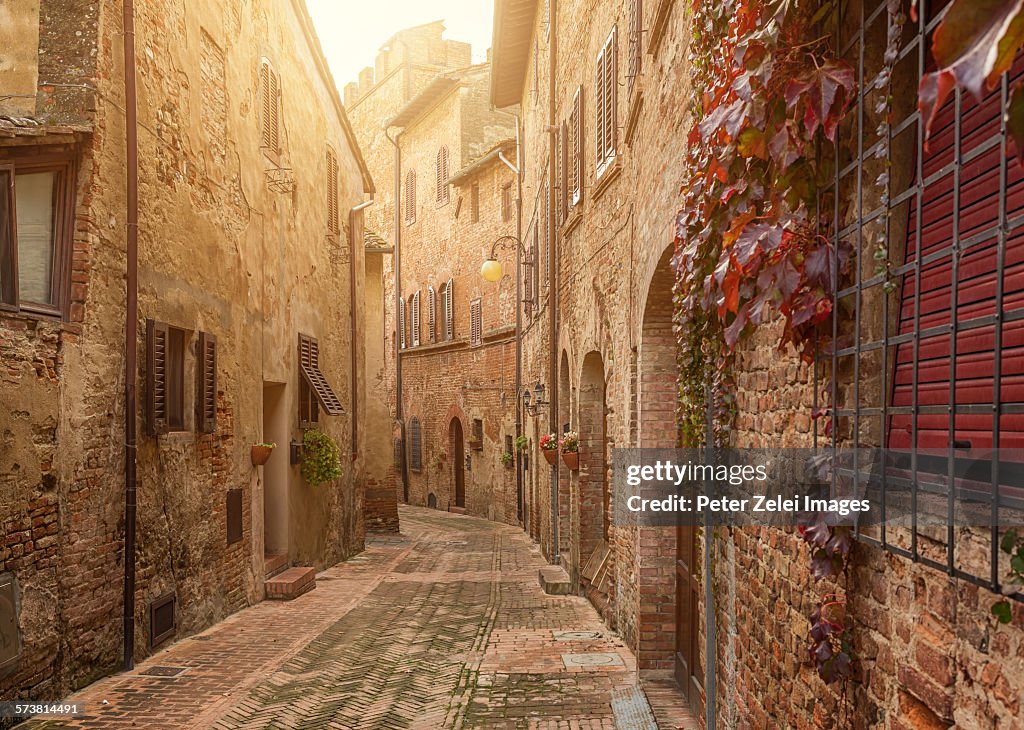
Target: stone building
{"x":425,"y":106}
{"x":602,"y":88}
{"x":250,"y":262}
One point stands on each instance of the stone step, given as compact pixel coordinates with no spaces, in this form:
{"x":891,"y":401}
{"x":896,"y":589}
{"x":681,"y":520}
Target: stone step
{"x":457,"y":510}
{"x":554,"y":580}
{"x":274,"y":563}
{"x":291,"y":583}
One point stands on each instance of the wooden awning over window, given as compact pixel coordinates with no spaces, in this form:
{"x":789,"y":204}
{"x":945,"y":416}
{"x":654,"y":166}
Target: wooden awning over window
{"x":309,"y":363}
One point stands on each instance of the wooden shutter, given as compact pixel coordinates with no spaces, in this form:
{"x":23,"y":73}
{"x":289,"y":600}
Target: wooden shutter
{"x":206,"y":383}
{"x":474,"y":200}
{"x":441,"y":175}
{"x":415,"y":445}
{"x":611,"y":94}
{"x":431,"y":314}
{"x":410,"y":197}
{"x":332,"y":192}
{"x":475,"y":322}
{"x":599,"y":116}
{"x":575,"y":153}
{"x":156,"y":377}
{"x":975,"y":206}
{"x":449,"y":311}
{"x":546,"y":216}
{"x":401,"y":326}
{"x":414,"y":304}
{"x":270,"y":101}
{"x":636,"y":13}
{"x":309,"y":363}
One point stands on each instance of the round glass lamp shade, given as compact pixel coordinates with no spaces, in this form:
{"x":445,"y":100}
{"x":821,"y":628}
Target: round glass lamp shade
{"x":491,"y":270}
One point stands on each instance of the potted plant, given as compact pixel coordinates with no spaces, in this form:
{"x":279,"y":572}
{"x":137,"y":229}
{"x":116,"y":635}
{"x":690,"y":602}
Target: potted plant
{"x":260,"y":453}
{"x":521,"y":443}
{"x":507,"y":459}
{"x":321,"y":458}
{"x":570,"y":445}
{"x":549,"y":447}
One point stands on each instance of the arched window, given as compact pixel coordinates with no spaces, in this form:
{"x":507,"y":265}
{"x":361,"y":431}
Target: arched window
{"x":415,"y":445}
{"x":410,"y":197}
{"x":441,"y":175}
{"x":431,"y":314}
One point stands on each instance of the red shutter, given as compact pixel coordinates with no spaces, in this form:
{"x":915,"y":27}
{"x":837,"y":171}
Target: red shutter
{"x":976,"y":287}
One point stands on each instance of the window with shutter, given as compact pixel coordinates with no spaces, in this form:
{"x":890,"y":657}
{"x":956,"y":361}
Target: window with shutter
{"x":401,"y":326}
{"x":415,"y":444}
{"x":575,"y":153}
{"x":547,"y":234}
{"x":414,"y":307}
{"x":206,"y":383}
{"x":475,"y":322}
{"x":431,"y":314}
{"x":270,"y":103}
{"x":410,"y":197}
{"x":605,"y":103}
{"x":506,"y":202}
{"x":441,"y":175}
{"x":332,"y":192}
{"x":449,"y":311}
{"x":165,"y":377}
{"x":635,"y":63}
{"x":322,"y":395}
{"x":561,"y":179}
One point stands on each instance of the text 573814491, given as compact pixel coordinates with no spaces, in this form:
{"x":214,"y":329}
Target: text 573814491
{"x":30,"y":708}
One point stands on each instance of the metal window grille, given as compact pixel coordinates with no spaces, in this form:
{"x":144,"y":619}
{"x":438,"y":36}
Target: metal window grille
{"x":921,"y":357}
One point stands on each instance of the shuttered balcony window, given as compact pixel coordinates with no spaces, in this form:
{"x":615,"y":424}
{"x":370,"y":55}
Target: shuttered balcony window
{"x":474,"y":203}
{"x":410,"y":197}
{"x":431,"y":314}
{"x":166,"y":347}
{"x":401,"y":326}
{"x":447,"y":294}
{"x":270,"y":110}
{"x":636,"y":56}
{"x":574,"y":129}
{"x":315,"y":392}
{"x":414,"y":309}
{"x":206,"y":383}
{"x":333,"y":222}
{"x":415,"y":444}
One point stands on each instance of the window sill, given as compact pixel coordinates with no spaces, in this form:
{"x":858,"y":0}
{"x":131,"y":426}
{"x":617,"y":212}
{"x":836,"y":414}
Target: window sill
{"x":573,"y":219}
{"x":174,"y":438}
{"x":607,"y":175}
{"x":45,"y":319}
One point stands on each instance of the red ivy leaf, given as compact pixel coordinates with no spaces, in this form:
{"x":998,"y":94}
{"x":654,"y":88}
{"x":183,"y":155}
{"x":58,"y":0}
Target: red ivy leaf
{"x":968,"y":42}
{"x":931,"y":94}
{"x":1015,"y":119}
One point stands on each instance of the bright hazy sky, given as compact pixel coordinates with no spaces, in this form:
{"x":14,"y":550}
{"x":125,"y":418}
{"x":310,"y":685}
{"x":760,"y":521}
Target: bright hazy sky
{"x":351,"y":31}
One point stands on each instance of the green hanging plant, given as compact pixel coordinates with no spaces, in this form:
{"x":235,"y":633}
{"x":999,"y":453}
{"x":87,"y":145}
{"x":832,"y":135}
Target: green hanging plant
{"x":321,"y":458}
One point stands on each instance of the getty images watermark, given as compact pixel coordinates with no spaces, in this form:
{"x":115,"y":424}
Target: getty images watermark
{"x":784,"y":486}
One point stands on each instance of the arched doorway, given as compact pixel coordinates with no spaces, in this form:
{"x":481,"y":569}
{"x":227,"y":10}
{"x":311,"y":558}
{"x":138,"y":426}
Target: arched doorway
{"x":656,"y":399}
{"x":458,"y":451}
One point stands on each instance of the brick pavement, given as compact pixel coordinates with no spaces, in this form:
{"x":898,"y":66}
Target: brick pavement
{"x":444,"y":626}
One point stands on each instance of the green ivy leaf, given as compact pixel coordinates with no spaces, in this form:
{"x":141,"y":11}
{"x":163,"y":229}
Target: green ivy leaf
{"x":1009,"y":541}
{"x":1002,"y":611}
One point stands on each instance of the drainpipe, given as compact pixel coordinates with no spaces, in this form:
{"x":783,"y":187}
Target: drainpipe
{"x":399,"y":415}
{"x":517,"y":169}
{"x":354,"y":241}
{"x":556,"y":557}
{"x":130,"y":329}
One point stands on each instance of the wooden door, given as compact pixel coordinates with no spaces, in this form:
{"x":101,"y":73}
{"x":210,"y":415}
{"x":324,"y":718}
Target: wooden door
{"x":459,"y":462}
{"x":687,"y":657}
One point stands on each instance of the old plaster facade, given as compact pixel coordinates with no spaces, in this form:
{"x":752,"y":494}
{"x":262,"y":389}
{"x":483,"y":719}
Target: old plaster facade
{"x":248,"y":171}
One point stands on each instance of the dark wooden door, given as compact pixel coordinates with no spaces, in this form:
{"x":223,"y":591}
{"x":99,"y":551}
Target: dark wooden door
{"x":459,"y":462}
{"x":687,"y":661}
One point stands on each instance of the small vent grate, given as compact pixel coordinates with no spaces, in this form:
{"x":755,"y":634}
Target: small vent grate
{"x":161,"y":671}
{"x":162,"y":624}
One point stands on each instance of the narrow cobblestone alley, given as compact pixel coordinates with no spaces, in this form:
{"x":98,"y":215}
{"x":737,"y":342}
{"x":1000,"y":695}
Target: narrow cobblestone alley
{"x":444,"y":626}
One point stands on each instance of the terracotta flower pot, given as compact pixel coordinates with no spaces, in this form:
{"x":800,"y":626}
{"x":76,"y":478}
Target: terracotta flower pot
{"x":572,"y":460}
{"x":551,"y":455}
{"x":260,"y":454}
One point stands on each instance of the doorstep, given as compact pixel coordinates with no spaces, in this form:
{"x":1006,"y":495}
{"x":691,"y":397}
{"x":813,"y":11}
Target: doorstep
{"x":291,"y":583}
